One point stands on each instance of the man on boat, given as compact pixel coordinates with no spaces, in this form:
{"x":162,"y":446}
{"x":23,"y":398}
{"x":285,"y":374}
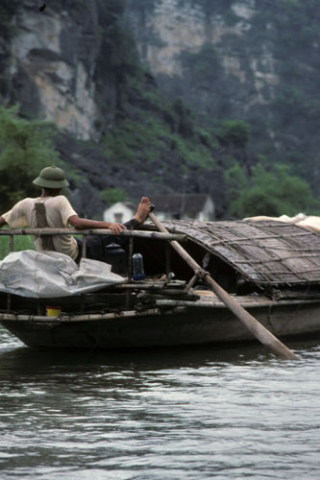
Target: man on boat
{"x":58,"y":213}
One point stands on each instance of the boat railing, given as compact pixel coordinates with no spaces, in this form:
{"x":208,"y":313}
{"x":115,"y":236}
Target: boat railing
{"x":144,"y":234}
{"x":39,"y":232}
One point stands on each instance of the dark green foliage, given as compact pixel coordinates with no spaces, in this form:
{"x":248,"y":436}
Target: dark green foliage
{"x":25,"y":148}
{"x":113,"y":195}
{"x":237,"y":182}
{"x":119,"y":51}
{"x":204,"y":66}
{"x":184,"y":120}
{"x":235,"y":133}
{"x":7,"y":9}
{"x":270,"y":191}
{"x":230,"y":18}
{"x":204,"y":75}
{"x":150,"y":137}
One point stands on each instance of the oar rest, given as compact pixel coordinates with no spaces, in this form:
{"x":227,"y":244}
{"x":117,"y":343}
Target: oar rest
{"x":41,"y":222}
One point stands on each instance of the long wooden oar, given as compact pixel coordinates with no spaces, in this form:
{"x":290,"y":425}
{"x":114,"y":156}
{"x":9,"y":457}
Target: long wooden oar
{"x":258,"y":330}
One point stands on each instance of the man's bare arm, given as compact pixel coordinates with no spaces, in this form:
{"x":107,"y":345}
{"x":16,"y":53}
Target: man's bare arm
{"x":84,"y":223}
{"x":2,"y":222}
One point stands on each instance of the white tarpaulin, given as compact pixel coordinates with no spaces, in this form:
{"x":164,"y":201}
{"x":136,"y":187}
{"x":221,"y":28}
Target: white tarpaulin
{"x":52,"y":274}
{"x":309,"y":222}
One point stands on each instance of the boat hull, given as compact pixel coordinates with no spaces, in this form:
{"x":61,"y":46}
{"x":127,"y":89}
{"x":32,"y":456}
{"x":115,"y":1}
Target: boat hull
{"x":175,"y":327}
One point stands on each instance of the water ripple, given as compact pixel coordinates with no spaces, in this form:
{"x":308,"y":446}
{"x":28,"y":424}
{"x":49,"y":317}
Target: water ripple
{"x":185,"y":414}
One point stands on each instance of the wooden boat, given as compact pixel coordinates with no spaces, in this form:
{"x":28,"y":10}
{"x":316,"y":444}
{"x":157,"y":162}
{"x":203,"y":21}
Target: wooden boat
{"x":271,"y":268}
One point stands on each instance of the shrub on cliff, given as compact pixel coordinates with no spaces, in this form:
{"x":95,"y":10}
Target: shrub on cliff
{"x":25,"y":148}
{"x":235,"y":133}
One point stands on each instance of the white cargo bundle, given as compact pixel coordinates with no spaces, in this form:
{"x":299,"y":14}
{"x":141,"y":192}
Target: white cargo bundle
{"x":52,"y":274}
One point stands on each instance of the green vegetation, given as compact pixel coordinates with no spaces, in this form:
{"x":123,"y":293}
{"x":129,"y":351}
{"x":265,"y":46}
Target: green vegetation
{"x":149,"y":137}
{"x":113,"y":195}
{"x":235,"y":133}
{"x":272,"y":192}
{"x":204,"y":66}
{"x":7,"y":10}
{"x":20,"y":243}
{"x":25,"y":148}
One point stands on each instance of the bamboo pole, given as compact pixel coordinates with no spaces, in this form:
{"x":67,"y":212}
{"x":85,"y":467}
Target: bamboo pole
{"x":9,"y":317}
{"x":258,"y":330}
{"x":69,"y":231}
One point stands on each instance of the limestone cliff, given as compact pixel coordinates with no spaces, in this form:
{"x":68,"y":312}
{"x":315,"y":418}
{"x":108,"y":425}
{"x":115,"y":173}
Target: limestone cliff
{"x":52,"y":64}
{"x":169,"y":31}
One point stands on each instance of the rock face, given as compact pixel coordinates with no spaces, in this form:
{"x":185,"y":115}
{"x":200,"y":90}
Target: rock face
{"x":171,"y":34}
{"x":191,"y":46}
{"x":53,"y":59}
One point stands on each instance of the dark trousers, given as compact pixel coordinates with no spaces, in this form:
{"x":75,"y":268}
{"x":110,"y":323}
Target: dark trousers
{"x":97,"y":244}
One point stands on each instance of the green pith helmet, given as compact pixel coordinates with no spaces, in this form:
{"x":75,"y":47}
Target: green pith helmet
{"x":51,"y":177}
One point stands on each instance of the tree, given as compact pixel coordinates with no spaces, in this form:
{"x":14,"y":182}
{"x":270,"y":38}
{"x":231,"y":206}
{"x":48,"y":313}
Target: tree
{"x":113,"y":195}
{"x":25,"y":148}
{"x":185,"y":125}
{"x":234,"y":133}
{"x":236,"y":182}
{"x":273,"y":193}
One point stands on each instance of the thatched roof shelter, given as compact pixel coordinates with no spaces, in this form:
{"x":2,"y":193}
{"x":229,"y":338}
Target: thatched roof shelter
{"x":265,"y":252}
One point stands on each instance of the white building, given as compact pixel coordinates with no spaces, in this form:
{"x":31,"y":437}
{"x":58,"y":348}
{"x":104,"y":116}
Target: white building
{"x":120,"y":212}
{"x":167,"y":207}
{"x":184,"y":207}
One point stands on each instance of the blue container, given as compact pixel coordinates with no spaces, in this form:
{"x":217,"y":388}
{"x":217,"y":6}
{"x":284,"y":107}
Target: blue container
{"x":137,"y":267}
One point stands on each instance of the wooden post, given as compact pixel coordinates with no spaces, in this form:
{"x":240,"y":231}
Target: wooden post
{"x":84,"y":246}
{"x":11,"y":249}
{"x":192,"y":282}
{"x":11,"y":244}
{"x":168,"y":260}
{"x":130,"y":269}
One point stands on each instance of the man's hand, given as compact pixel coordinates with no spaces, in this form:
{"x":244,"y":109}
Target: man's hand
{"x":84,"y":223}
{"x":117,"y":227}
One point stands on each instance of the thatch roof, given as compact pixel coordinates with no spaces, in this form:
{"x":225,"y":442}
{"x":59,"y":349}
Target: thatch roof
{"x":267,"y":252}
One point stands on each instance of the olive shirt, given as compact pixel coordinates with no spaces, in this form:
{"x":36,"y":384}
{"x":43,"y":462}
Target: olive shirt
{"x":58,"y":212}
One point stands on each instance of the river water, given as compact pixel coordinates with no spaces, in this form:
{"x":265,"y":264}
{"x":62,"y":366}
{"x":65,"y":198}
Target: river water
{"x":159,"y":415}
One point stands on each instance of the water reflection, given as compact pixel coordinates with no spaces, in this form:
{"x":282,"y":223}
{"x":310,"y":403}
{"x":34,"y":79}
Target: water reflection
{"x":28,"y":361}
{"x":32,"y":361}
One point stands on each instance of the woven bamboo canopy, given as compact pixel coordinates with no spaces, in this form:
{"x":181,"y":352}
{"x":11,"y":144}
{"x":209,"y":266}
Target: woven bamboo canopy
{"x":264,"y":252}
